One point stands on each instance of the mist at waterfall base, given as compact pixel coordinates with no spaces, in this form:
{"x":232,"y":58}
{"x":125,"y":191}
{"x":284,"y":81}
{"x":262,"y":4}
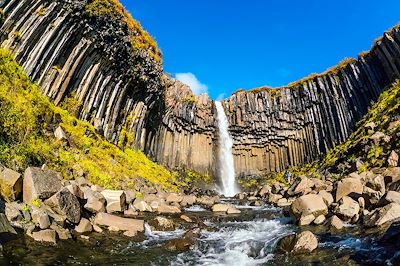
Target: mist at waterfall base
{"x":225,"y":157}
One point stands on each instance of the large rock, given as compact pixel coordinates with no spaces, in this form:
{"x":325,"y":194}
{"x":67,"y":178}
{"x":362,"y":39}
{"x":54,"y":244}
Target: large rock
{"x":302,"y":243}
{"x":388,"y":214}
{"x":41,"y":218}
{"x":349,"y":186}
{"x":84,"y":226}
{"x":7,"y":232}
{"x":348,"y":209}
{"x":309,"y":204}
{"x":142,"y":206}
{"x":95,"y":201}
{"x":163,"y":208}
{"x":115,"y":200}
{"x":184,"y":243}
{"x":173,"y":197}
{"x":65,"y":203}
{"x":10,"y":184}
{"x":40,"y":184}
{"x":326,"y":196}
{"x":162,"y":224}
{"x":377,"y":183}
{"x":303,"y":186}
{"x":48,"y":235}
{"x":122,"y":224}
{"x":188,"y":200}
{"x":371,"y":196}
{"x":390,"y":197}
{"x":335,"y":224}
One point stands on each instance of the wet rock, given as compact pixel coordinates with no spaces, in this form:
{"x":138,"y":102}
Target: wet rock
{"x":40,"y":218}
{"x":274,"y":198}
{"x":142,"y":206}
{"x":10,"y":184}
{"x":301,"y":243}
{"x":188,"y":200}
{"x":115,"y":200}
{"x":309,"y":204}
{"x":349,"y":186}
{"x":393,"y":159}
{"x":388,"y":214}
{"x":233,"y":210}
{"x":40,"y":184}
{"x":168,"y":209}
{"x":95,"y":201}
{"x":162,"y":224}
{"x":60,"y":135}
{"x":326,"y":196}
{"x":48,"y":235}
{"x":347,"y":209}
{"x":220,"y":207}
{"x":183,"y":244}
{"x":283,"y":202}
{"x":206,"y":200}
{"x":84,"y":226}
{"x":335,"y":224}
{"x":122,"y":224}
{"x":186,"y":218}
{"x":65,"y":203}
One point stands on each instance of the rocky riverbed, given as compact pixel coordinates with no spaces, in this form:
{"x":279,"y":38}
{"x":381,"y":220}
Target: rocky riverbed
{"x":58,"y":222}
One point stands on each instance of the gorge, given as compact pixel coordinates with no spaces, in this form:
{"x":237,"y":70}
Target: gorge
{"x":105,"y":159}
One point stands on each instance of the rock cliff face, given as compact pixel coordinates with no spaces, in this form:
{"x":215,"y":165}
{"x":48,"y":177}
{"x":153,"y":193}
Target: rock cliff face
{"x":76,"y":53}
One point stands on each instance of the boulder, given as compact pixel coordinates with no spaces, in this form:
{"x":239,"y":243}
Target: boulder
{"x":302,"y":243}
{"x":393,"y":159}
{"x":122,"y":224}
{"x":206,"y":200}
{"x":186,"y":218}
{"x":335,"y":224}
{"x":303,"y":186}
{"x":163,"y":208}
{"x":347,"y":209}
{"x":95,"y":201}
{"x":361,"y":202}
{"x":13,"y":211}
{"x":142,"y":206}
{"x":173,"y":197}
{"x":40,"y":184}
{"x":371,"y":196}
{"x":161,"y":224}
{"x":326,"y":196}
{"x":188,"y":200}
{"x":283,"y":202}
{"x":10,"y":184}
{"x":96,"y":188}
{"x":41,"y":218}
{"x":319,"y":185}
{"x":390,"y":197}
{"x":233,"y":210}
{"x":62,"y":233}
{"x":184,"y":243}
{"x":48,"y":235}
{"x":392,"y":174}
{"x":220,"y":207}
{"x":376,"y":182}
{"x":319,"y":220}
{"x":130,"y":196}
{"x":76,"y":191}
{"x":309,"y":204}
{"x":65,"y":203}
{"x":130,"y":212}
{"x":265,"y":190}
{"x":115,"y":200}
{"x":349,"y":186}
{"x":388,"y":214}
{"x":274,"y":198}
{"x":84,"y":226}
{"x":306,"y":219}
{"x":7,"y":232}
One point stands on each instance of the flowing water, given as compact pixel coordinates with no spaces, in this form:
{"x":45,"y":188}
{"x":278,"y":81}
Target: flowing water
{"x":225,"y":156}
{"x":246,"y":239}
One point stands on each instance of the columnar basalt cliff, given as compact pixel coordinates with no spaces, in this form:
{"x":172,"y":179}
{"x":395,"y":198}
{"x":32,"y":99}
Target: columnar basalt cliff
{"x":95,"y":53}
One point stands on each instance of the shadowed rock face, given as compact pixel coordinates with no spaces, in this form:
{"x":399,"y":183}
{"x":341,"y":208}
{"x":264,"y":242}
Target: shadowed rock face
{"x":123,"y":92}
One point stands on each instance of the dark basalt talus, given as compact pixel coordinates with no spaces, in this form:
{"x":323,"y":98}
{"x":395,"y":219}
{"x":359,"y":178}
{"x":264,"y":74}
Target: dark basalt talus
{"x":124,"y":93}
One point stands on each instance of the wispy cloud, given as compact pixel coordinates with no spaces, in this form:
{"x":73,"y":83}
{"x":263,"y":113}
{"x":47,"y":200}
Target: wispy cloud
{"x":191,"y":80}
{"x":221,"y":96}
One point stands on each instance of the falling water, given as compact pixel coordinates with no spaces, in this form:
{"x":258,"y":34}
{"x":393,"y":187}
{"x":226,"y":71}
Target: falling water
{"x":226,"y":165}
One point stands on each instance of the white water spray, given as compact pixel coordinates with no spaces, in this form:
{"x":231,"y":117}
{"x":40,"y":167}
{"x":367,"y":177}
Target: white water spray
{"x":225,"y":156}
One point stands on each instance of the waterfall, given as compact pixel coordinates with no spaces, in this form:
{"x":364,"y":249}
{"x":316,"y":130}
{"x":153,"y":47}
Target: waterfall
{"x":225,"y":156}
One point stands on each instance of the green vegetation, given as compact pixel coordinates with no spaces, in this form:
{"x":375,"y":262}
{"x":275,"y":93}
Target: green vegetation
{"x":37,"y":202}
{"x":113,"y":9}
{"x":190,"y":99}
{"x":41,"y":11}
{"x":27,"y":123}
{"x":17,"y":36}
{"x":191,"y":177}
{"x":384,"y":114}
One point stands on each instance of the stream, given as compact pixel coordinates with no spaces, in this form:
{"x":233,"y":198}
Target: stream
{"x":248,"y":238}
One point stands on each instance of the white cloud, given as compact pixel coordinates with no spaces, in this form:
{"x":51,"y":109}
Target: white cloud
{"x":191,"y":80}
{"x":221,"y":96}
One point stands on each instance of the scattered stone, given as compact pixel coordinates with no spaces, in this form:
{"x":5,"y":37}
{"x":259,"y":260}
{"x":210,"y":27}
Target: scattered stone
{"x":233,"y":210}
{"x":115,"y":200}
{"x":130,"y":212}
{"x":123,"y":224}
{"x":188,"y":200}
{"x":13,"y":212}
{"x":130,"y":196}
{"x":265,"y":190}
{"x":377,"y":136}
{"x":336,"y":224}
{"x":389,"y":213}
{"x":62,"y":233}
{"x":95,"y":201}
{"x":349,"y":186}
{"x":371,"y":196}
{"x":302,"y":187}
{"x":40,"y":218}
{"x":361,"y":202}
{"x":186,"y":218}
{"x":60,"y":135}
{"x":220,"y":207}
{"x":274,"y":198}
{"x":309,"y":204}
{"x":76,"y":191}
{"x":40,"y":184}
{"x":306,"y":220}
{"x":161,"y":224}
{"x":390,"y":197}
{"x":168,"y":209}
{"x":283,"y":202}
{"x":85,"y":237}
{"x":130,"y":233}
{"x":48,"y":235}
{"x":97,"y":229}
{"x":184,"y":243}
{"x":142,"y":206}
{"x":393,"y":159}
{"x":319,"y":220}
{"x":347,"y":209}
{"x":302,"y":243}
{"x":173,"y":197}
{"x":65,"y":203}
{"x":97,"y":188}
{"x":376,"y":183}
{"x":10,"y":184}
{"x":84,"y":226}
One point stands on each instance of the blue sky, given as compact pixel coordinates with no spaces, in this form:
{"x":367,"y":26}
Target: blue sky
{"x":220,"y":46}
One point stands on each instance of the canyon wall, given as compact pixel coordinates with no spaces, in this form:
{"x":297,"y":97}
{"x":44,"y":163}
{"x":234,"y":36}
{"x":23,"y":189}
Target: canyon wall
{"x":86,"y":57}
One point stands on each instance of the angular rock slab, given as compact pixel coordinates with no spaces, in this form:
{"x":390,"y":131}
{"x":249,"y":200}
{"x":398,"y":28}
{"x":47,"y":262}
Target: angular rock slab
{"x":115,"y":200}
{"x":65,"y":203}
{"x":388,"y":214}
{"x":10,"y":184}
{"x":123,"y":224}
{"x":309,"y":204}
{"x":348,"y":186}
{"x":40,"y":184}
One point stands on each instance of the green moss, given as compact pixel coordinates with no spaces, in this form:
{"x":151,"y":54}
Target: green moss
{"x":27,"y":139}
{"x":191,"y":99}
